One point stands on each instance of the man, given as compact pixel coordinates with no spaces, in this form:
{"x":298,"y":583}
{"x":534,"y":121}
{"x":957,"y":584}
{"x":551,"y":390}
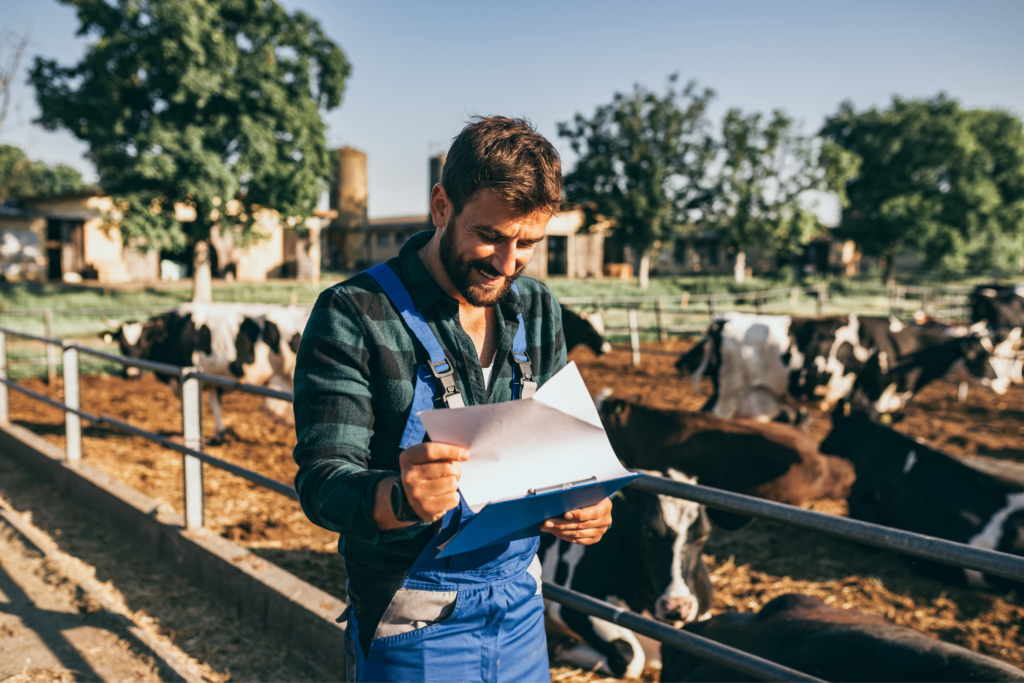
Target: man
{"x":441,"y":325}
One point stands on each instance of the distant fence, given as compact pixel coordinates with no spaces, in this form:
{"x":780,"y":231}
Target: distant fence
{"x":191,"y":380}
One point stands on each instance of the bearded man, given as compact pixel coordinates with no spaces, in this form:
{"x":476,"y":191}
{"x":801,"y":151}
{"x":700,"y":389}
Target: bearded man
{"x":447,"y":323}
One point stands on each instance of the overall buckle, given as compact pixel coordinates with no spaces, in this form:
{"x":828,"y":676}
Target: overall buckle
{"x":451,"y":396}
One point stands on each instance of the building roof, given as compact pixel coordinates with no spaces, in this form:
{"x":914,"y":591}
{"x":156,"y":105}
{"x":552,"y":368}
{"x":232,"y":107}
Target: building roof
{"x":12,"y":210}
{"x":398,"y":222}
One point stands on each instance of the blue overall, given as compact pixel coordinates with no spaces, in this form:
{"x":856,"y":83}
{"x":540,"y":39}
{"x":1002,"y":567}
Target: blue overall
{"x":495,"y":629}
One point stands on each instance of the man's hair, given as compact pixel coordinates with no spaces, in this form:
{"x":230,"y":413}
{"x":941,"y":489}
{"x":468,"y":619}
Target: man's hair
{"x":508,"y":156}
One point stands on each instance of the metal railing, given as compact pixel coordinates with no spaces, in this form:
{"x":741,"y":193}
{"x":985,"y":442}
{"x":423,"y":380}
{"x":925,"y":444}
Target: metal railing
{"x":909,"y":543}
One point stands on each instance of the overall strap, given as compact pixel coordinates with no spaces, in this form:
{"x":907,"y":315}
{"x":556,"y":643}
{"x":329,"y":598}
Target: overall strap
{"x":439,"y":367}
{"x":523,"y":384}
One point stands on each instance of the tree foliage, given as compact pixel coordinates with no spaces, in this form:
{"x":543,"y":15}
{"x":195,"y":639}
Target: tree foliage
{"x":22,"y":177}
{"x":643,"y":159}
{"x":197,"y":102}
{"x":764,"y":169}
{"x":933,"y":177}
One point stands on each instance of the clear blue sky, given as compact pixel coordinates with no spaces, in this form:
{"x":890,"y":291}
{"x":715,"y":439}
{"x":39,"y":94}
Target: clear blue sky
{"x":420,"y":69}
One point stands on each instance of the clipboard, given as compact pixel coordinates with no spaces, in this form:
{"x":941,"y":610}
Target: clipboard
{"x":511,"y":520}
{"x":530,"y":460}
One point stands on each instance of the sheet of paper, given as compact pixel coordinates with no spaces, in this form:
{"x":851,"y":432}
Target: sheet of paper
{"x":550,"y":439}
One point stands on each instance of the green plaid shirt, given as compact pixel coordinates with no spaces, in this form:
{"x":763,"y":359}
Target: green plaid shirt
{"x":354,"y":379}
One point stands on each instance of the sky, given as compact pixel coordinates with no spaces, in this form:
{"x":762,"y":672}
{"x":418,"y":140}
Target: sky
{"x":419,"y":70}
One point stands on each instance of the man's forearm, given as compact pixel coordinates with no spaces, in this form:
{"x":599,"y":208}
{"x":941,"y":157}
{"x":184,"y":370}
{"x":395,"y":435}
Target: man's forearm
{"x":383,"y":514}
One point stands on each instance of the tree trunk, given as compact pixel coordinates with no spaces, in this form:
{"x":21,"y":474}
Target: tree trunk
{"x":889,"y":274}
{"x":740,"y":269}
{"x":202,"y":284}
{"x":645,"y":267}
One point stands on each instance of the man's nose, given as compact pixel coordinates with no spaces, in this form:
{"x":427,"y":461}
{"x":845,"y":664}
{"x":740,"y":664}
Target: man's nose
{"x":504,"y":260}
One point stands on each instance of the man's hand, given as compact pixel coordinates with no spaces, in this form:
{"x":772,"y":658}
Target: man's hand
{"x":585,"y":526}
{"x":430,"y":476}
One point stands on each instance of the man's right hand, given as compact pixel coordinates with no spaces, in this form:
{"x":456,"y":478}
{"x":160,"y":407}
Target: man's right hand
{"x":430,"y":476}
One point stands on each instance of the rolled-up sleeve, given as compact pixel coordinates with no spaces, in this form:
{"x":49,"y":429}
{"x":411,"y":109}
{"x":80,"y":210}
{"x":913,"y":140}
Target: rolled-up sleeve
{"x":334,"y":398}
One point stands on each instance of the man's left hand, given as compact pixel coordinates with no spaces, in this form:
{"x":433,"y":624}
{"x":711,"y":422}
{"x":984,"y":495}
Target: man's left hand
{"x":585,"y":526}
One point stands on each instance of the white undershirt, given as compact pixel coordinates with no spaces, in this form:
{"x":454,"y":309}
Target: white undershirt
{"x":487,"y":370}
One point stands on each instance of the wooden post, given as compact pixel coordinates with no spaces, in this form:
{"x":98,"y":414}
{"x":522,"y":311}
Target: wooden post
{"x":823,"y":297}
{"x":51,"y":352}
{"x":760,"y":303}
{"x":634,"y":337}
{"x":72,"y":399}
{"x":961,"y":392}
{"x":192,"y":430}
{"x":662,"y":327}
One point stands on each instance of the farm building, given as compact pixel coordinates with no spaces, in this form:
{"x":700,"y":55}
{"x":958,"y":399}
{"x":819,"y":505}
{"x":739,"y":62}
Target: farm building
{"x":67,"y":237}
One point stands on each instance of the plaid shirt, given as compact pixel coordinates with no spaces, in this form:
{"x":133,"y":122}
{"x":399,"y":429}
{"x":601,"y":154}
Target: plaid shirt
{"x":354,"y":379}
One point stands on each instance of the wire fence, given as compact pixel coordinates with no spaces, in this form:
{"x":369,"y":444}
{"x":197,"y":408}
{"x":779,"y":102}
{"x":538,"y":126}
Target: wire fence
{"x":191,"y":381}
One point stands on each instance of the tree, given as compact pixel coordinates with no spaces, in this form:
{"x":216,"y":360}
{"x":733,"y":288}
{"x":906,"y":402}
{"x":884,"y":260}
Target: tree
{"x":22,"y":177}
{"x":642,"y":161}
{"x":211,"y":104}
{"x":945,"y":182}
{"x":764,"y":169}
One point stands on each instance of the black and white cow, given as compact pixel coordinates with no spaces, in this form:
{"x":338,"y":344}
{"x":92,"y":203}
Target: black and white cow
{"x":833,"y":644}
{"x":905,"y":484}
{"x":244,"y":342}
{"x":650,"y":559}
{"x":584,"y":328}
{"x":761,"y":365}
{"x":998,"y":305}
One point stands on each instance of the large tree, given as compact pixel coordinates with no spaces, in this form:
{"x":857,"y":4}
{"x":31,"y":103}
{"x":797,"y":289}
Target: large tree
{"x":642,"y":163}
{"x":935,"y":178}
{"x":23,"y":177}
{"x":764,"y":171}
{"x":212,"y":104}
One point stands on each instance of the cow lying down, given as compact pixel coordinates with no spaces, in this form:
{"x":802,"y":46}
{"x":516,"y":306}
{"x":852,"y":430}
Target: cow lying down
{"x":770,"y":460}
{"x":650,"y":559}
{"x":833,"y":644}
{"x":903,"y":483}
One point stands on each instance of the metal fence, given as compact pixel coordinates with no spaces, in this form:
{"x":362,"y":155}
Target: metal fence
{"x":191,"y":380}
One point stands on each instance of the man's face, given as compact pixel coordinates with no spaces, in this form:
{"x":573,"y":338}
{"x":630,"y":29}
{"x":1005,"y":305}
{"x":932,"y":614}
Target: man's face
{"x":486,"y":247}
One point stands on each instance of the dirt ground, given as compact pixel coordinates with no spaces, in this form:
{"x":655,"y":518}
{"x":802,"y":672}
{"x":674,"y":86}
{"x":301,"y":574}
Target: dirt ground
{"x":750,"y":566}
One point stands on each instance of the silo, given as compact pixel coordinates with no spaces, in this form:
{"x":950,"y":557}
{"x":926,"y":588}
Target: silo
{"x":348,"y":198}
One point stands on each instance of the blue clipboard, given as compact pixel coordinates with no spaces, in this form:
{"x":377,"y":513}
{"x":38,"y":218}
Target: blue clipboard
{"x":511,"y":520}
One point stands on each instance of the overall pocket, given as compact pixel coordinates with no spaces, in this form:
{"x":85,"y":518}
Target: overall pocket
{"x":413,"y":610}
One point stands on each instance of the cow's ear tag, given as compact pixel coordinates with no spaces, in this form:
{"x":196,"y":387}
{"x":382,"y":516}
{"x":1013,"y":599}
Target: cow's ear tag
{"x":886,"y":419}
{"x":619,"y":407}
{"x":107,"y":339}
{"x":846,"y":409}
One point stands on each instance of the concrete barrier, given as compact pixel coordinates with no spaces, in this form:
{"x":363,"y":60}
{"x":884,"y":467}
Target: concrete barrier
{"x":278,"y":603}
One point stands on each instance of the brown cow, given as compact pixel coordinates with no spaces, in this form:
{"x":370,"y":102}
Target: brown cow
{"x":769,"y":460}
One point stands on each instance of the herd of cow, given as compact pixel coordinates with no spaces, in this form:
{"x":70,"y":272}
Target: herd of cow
{"x":749,"y":438}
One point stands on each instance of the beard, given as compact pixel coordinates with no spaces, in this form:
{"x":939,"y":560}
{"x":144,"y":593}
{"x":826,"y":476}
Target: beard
{"x":460,"y":272}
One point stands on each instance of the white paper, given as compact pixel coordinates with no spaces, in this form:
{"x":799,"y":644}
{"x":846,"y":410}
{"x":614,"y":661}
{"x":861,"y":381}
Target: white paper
{"x":550,"y":439}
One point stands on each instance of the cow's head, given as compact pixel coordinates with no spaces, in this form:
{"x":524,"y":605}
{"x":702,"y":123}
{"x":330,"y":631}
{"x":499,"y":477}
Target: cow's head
{"x":989,"y":360}
{"x":136,"y":339}
{"x":591,"y":332}
{"x":256,"y":340}
{"x":668,"y":536}
{"x":851,"y":419}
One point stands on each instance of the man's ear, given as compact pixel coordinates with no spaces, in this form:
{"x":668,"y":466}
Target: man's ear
{"x":441,"y":208}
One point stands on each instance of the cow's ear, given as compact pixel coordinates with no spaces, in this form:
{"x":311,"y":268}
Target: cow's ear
{"x":294,"y":343}
{"x":272,"y":336}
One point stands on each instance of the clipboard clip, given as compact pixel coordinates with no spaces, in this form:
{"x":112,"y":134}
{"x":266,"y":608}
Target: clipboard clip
{"x":559,"y":487}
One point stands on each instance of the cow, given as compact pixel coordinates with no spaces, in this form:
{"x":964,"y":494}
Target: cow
{"x":946,"y":352}
{"x":999,"y":306}
{"x":761,"y":365}
{"x":649,"y":559}
{"x":586,"y":329}
{"x":903,"y":483}
{"x":225,"y":339}
{"x":773,"y":461}
{"x":833,"y":644}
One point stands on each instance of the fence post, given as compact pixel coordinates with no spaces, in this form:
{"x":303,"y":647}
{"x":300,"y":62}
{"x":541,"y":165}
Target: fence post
{"x":192,"y":431}
{"x":51,"y":352}
{"x":662,"y":327}
{"x":5,"y":408}
{"x":73,"y":399}
{"x":634,"y":337}
{"x":760,"y":304}
{"x":961,"y":392}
